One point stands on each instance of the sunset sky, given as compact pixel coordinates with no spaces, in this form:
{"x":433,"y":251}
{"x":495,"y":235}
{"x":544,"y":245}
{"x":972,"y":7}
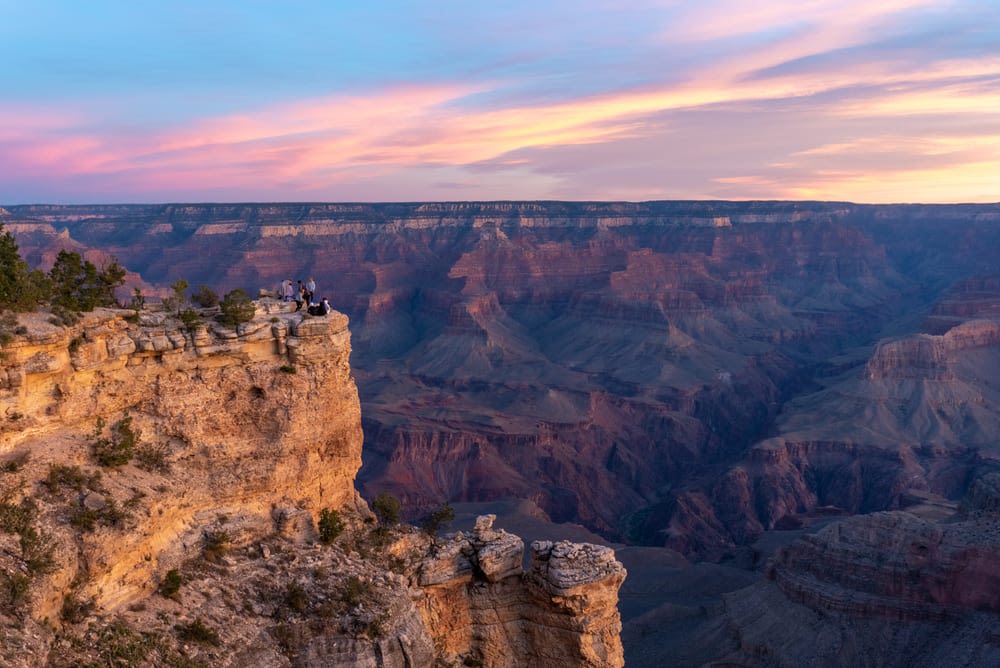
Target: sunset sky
{"x":252,"y":100}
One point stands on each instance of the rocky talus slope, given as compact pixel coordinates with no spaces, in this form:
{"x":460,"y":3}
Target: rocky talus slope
{"x":164,"y":489}
{"x":887,"y":589}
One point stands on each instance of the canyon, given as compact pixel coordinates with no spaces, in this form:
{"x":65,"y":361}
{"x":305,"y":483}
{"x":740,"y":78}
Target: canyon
{"x":720,"y":381}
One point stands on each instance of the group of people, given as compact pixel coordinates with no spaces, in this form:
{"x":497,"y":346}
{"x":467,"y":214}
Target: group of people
{"x":304,"y":295}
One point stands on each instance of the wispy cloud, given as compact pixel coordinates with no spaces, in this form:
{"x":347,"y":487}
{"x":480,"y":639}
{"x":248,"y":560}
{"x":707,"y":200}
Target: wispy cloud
{"x":820,"y":99}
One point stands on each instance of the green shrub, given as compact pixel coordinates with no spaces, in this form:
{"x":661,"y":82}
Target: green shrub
{"x":121,"y":647}
{"x":152,"y":458}
{"x":236,"y":308}
{"x":63,"y":317}
{"x":17,"y":462}
{"x":77,"y":285}
{"x":330,"y":525}
{"x":21,"y":289}
{"x":177,"y":300}
{"x":119,"y":448}
{"x":190,"y":318}
{"x":37,"y":551}
{"x":387,"y":507}
{"x":296,"y":597}
{"x":437,"y":520}
{"x":205,"y":297}
{"x":111,"y":515}
{"x":287,"y":368}
{"x":14,"y":589}
{"x":138,"y":301}
{"x":171,"y":584}
{"x":75,"y":610}
{"x":215,"y":544}
{"x":61,"y":475}
{"x":198,"y":631}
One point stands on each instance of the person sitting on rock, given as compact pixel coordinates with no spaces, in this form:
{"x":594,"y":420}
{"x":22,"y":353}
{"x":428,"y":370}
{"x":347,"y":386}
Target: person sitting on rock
{"x":320,"y":309}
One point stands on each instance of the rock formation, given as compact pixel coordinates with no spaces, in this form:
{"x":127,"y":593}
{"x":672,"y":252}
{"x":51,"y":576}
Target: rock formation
{"x":561,"y":612}
{"x":635,"y":367}
{"x":164,"y":489}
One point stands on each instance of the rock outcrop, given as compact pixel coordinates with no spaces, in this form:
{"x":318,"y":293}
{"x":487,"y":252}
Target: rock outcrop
{"x":561,"y":611}
{"x":226,"y":411}
{"x":165,"y":487}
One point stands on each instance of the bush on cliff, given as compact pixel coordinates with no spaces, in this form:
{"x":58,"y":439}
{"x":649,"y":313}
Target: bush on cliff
{"x":21,"y":289}
{"x":236,"y":308}
{"x":78,"y":285}
{"x":330,"y":525}
{"x":388,"y":508}
{"x":437,"y":520}
{"x":205,"y":297}
{"x":118,"y":449}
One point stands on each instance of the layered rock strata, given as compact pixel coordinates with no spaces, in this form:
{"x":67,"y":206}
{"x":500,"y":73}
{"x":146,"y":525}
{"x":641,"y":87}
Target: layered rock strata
{"x":604,"y":360}
{"x":203,"y":542}
{"x":253,"y":422}
{"x":560,"y":611}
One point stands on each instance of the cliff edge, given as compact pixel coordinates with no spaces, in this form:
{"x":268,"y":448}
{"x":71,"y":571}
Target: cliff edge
{"x":183,"y":494}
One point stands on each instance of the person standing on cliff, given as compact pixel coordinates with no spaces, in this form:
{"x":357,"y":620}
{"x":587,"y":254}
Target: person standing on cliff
{"x":311,"y":290}
{"x":289,"y":289}
{"x":300,"y":296}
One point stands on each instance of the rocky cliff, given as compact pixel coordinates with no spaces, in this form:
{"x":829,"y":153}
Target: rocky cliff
{"x":164,"y":488}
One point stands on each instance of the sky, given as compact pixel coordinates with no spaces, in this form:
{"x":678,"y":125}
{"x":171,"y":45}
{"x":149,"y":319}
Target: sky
{"x":256,"y":100}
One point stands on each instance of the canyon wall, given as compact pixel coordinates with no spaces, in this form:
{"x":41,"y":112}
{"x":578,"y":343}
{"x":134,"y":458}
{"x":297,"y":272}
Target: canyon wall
{"x":645,"y":369}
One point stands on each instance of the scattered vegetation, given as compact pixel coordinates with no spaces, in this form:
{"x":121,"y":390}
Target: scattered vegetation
{"x":190,"y":318}
{"x":75,"y":610}
{"x":119,"y":645}
{"x":171,"y":584}
{"x":14,"y":590}
{"x":215,"y":545}
{"x":109,"y":514}
{"x":37,"y":551}
{"x":153,"y":457}
{"x":198,"y":631}
{"x":37,"y":546}
{"x":177,"y":300}
{"x":19,"y":459}
{"x":296,"y":597}
{"x":118,"y":448}
{"x":77,"y":285}
{"x":63,"y":317}
{"x":236,"y":308}
{"x":21,"y":289}
{"x":287,"y":368}
{"x":354,"y":591}
{"x":387,"y":508}
{"x":330,"y":525}
{"x":8,"y":328}
{"x":61,"y":475}
{"x":205,"y":297}
{"x":437,"y":520}
{"x":72,"y":285}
